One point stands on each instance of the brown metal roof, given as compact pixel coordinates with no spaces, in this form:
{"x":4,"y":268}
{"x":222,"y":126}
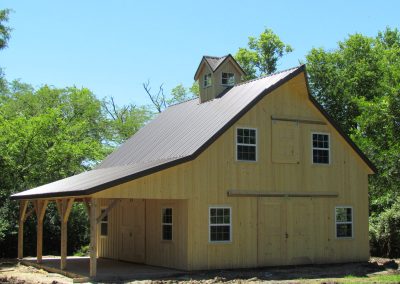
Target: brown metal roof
{"x":177,"y":135}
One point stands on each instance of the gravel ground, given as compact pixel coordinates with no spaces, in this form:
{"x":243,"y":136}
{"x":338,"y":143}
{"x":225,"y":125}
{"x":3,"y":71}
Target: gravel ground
{"x":13,"y":272}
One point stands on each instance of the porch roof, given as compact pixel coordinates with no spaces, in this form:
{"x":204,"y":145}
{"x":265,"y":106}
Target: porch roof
{"x":93,"y":181}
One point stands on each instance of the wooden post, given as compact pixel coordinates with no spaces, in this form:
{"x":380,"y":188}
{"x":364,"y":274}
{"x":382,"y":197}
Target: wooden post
{"x":22,"y":210}
{"x":40,"y":207}
{"x":87,"y":206}
{"x":93,"y":238}
{"x":65,"y":205}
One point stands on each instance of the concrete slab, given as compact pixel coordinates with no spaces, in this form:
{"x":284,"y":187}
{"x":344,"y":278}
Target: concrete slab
{"x":107,"y":269}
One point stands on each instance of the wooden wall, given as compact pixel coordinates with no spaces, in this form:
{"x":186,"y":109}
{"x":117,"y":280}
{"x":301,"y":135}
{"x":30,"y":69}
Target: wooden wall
{"x":216,"y":88}
{"x":260,"y":224}
{"x":137,"y":222}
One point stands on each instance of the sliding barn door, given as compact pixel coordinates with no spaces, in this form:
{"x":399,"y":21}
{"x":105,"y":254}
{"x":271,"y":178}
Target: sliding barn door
{"x":285,"y":231}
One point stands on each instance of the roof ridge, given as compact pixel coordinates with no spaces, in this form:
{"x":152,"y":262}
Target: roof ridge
{"x":268,"y":75}
{"x":178,"y":103}
{"x":215,"y":57}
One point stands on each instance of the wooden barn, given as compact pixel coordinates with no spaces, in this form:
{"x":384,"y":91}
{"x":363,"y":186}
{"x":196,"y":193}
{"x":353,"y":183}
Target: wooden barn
{"x":250,"y":174}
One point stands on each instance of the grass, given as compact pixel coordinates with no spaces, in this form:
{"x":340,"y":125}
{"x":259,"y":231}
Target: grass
{"x":389,"y":278}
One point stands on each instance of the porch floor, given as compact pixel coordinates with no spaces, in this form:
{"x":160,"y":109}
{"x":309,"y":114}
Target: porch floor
{"x":107,"y":269}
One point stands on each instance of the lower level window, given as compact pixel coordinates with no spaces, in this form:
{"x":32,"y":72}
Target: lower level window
{"x":220,"y":224}
{"x":344,"y":222}
{"x":104,"y":224}
{"x":167,"y":224}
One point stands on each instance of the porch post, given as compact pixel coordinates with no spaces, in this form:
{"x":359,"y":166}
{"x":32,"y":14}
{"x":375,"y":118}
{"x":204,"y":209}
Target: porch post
{"x":93,"y":238}
{"x":65,"y":205}
{"x":40,"y":207}
{"x":22,"y":210}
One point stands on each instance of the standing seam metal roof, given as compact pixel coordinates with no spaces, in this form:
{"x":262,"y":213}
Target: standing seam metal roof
{"x":177,"y":135}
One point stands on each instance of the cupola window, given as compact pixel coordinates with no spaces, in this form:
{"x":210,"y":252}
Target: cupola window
{"x":207,"y":80}
{"x":228,"y":79}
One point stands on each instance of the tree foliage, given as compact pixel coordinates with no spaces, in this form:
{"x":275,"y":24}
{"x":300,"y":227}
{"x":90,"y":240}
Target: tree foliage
{"x":49,"y":134}
{"x":359,"y":85}
{"x":5,"y":33}
{"x":179,"y":94}
{"x":262,"y":55}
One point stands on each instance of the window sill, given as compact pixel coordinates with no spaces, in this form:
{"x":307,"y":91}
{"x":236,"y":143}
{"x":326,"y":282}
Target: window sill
{"x":219,"y":242}
{"x":247,"y":162}
{"x":344,"y":238}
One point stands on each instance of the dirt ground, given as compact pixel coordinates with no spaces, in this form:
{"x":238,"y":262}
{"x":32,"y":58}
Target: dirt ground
{"x":370,"y":272}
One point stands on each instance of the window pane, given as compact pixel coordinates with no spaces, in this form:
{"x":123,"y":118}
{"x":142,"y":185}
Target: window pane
{"x":220,"y":233}
{"x":320,"y":141}
{"x":343,"y":215}
{"x":103,"y":229}
{"x":167,"y":215}
{"x":246,"y":153}
{"x":344,"y":230}
{"x":167,"y":232}
{"x":320,"y":156}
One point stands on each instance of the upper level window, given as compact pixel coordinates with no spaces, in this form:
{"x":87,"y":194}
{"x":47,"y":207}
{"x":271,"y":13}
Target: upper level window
{"x":246,"y":144}
{"x":166,"y":224}
{"x":207,"y":80}
{"x":344,"y":222}
{"x":220,"y":224}
{"x":320,"y":148}
{"x":104,"y":224}
{"x":228,"y":79}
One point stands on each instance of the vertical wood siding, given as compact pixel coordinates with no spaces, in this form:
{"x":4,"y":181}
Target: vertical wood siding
{"x":260,"y":224}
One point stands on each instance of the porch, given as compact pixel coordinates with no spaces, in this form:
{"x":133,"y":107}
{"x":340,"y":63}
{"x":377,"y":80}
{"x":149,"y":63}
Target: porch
{"x":108,"y":269}
{"x":121,"y":229}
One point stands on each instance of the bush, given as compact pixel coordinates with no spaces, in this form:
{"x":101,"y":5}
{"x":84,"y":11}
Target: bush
{"x":83,"y":251}
{"x":385,"y":232}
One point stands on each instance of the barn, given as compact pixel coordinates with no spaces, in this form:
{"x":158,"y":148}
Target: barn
{"x":250,"y":174}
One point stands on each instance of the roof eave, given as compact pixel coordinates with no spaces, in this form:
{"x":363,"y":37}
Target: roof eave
{"x":337,"y":127}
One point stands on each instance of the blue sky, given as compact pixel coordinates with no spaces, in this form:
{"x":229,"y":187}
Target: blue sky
{"x":112,"y":47}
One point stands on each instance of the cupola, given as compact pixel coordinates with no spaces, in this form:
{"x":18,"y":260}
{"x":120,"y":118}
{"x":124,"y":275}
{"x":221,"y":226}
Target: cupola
{"x":216,"y":74}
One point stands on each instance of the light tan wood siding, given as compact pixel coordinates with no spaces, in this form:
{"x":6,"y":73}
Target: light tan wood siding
{"x":134,"y":233}
{"x":166,"y":253}
{"x":205,"y":181}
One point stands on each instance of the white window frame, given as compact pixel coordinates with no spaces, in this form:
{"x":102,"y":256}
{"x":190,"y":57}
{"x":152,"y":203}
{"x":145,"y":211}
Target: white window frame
{"x":347,"y":222}
{"x":215,"y":225}
{"x":243,"y":144}
{"x":171,"y":224}
{"x":222,"y":77}
{"x":102,"y":209}
{"x":317,"y":148}
{"x":205,"y":81}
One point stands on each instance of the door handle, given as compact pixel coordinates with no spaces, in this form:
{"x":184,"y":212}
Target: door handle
{"x":286,"y":235}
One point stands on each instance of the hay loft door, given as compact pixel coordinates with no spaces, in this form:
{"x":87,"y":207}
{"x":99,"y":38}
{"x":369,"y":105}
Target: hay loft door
{"x":132,"y":237}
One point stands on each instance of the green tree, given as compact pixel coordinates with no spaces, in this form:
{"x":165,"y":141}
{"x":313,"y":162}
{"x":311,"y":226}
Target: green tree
{"x":181,"y":94}
{"x":263,"y":53}
{"x":358,"y":83}
{"x":123,"y":121}
{"x":5,"y":33}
